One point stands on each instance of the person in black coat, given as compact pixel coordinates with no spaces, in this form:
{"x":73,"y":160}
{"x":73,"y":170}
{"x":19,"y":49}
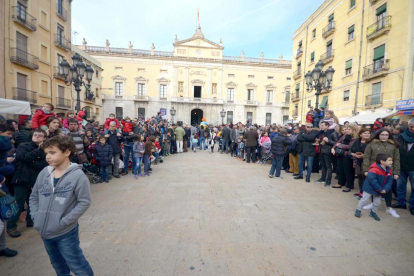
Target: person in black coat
{"x":225,"y":135}
{"x":279,"y":144}
{"x":307,"y":140}
{"x":327,"y":140}
{"x":30,"y":161}
{"x":103,"y":155}
{"x":115,"y":139}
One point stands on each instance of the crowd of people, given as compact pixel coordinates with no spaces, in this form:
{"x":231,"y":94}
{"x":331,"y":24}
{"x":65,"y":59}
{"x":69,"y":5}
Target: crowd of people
{"x":41,"y":151}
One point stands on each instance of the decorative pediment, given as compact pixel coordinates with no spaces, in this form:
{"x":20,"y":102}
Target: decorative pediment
{"x":270,"y":86}
{"x":197,"y":81}
{"x":287,"y":88}
{"x":163,"y":80}
{"x":141,"y":79}
{"x":198,"y":40}
{"x":118,"y":77}
{"x":251,"y":85}
{"x":231,"y":83}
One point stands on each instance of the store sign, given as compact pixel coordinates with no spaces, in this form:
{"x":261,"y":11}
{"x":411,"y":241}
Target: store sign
{"x":405,"y":104}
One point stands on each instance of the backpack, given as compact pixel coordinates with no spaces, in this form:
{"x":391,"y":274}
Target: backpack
{"x":8,"y":207}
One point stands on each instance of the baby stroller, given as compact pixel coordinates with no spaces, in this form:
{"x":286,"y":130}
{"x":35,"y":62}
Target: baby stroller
{"x":266,"y":153}
{"x":93,"y":171}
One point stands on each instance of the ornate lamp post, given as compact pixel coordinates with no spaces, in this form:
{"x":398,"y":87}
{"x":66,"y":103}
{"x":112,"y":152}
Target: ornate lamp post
{"x":222,"y":114}
{"x":319,"y":80}
{"x":77,"y":71}
{"x":172,"y":112}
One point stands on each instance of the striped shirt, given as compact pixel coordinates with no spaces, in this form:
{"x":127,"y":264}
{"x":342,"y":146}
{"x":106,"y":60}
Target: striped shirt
{"x":78,"y":139}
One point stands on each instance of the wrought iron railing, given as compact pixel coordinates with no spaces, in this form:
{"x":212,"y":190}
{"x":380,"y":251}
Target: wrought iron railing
{"x":21,"y":94}
{"x":299,"y":52}
{"x":62,"y":42}
{"x":379,"y":66}
{"x":63,"y":103}
{"x":89,"y":97}
{"x":295,"y":95}
{"x":326,"y":31}
{"x":58,"y":73}
{"x":295,"y":113}
{"x":61,"y":11}
{"x":378,"y":26}
{"x":327,"y":55}
{"x":297,"y":73}
{"x":24,"y":58}
{"x":374,"y":99}
{"x":21,"y":16}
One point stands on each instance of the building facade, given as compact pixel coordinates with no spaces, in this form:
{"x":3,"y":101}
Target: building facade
{"x":196,"y":80}
{"x":369,"y":43}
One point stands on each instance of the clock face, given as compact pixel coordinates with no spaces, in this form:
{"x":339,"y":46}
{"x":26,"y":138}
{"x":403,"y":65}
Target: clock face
{"x":198,"y":52}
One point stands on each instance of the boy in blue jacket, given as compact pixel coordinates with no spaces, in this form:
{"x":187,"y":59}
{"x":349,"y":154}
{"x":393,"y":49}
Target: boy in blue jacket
{"x":377,"y":183}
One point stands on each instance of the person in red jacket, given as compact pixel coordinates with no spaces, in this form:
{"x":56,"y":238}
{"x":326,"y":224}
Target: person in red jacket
{"x":40,"y":117}
{"x":81,"y":115}
{"x":111,"y":119}
{"x":378,"y":124}
{"x":127,"y":124}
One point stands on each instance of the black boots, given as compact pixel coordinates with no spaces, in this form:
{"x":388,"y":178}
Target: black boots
{"x":308,"y":179}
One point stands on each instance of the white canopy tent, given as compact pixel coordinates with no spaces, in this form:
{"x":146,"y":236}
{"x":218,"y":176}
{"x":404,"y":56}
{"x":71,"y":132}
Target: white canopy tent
{"x":14,"y":107}
{"x":368,"y":116}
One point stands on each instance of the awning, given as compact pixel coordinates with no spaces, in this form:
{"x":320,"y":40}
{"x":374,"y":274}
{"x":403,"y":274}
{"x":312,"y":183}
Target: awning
{"x":342,"y":120}
{"x":368,"y":117}
{"x":406,"y":112}
{"x":15,"y":107}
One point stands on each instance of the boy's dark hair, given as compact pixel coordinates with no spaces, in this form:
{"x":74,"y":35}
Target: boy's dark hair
{"x":6,"y":127}
{"x":325,"y":123}
{"x":51,"y":106}
{"x":73,"y":121}
{"x":39,"y":130}
{"x":382,"y":157}
{"x":25,"y":122}
{"x":63,"y":143}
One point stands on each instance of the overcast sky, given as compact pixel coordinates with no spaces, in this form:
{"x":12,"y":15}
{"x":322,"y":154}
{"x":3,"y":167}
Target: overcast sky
{"x":254,"y":26}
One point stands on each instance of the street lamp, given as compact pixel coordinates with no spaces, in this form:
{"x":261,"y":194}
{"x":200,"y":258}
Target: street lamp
{"x":77,"y":71}
{"x":172,"y":112}
{"x":319,"y":80}
{"x":222,"y":114}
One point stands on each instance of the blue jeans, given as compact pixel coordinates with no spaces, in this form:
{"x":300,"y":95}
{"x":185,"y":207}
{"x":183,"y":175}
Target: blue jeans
{"x":66,"y":255}
{"x":128,"y":149}
{"x":402,"y":188}
{"x":104,"y":172}
{"x":202,"y":141}
{"x":309,"y":163}
{"x":224,"y":143}
{"x":277,"y":162}
{"x":146,"y":163}
{"x":138,"y":161}
{"x":195,"y":146}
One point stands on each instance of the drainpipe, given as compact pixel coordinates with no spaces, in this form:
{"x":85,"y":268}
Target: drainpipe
{"x":360,"y":57}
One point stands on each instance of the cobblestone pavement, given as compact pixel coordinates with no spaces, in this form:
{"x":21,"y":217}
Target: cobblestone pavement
{"x":201,"y":214}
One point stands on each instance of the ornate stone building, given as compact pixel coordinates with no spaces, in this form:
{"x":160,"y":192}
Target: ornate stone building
{"x":196,"y":79}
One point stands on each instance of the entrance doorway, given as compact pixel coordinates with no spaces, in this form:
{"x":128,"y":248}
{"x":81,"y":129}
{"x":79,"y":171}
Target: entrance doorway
{"x":197,"y":91}
{"x":196,"y":116}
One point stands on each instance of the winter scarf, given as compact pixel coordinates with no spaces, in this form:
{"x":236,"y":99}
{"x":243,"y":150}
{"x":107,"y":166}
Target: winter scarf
{"x":408,"y":136}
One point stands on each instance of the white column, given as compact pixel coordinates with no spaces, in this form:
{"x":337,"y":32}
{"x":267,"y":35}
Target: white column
{"x":175,"y":84}
{"x":220,"y":84}
{"x":187,"y":83}
{"x":208,"y":92}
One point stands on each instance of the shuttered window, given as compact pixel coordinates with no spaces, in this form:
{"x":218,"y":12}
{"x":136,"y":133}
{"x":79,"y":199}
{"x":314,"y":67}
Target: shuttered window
{"x":312,"y":56}
{"x":381,"y":9}
{"x":379,"y":52}
{"x":352,"y":3}
{"x":331,"y":17}
{"x":348,"y":64}
{"x":351,"y":29}
{"x":329,"y":43}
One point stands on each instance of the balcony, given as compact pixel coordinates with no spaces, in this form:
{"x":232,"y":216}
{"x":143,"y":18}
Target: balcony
{"x":328,"y":30}
{"x":299,"y":52}
{"x":62,"y":12}
{"x":20,"y":16}
{"x":269,"y":103}
{"x":163,"y":98}
{"x":197,"y":100}
{"x":63,"y":103}
{"x":23,"y":58}
{"x":379,"y":28}
{"x":58,"y":73}
{"x":21,"y":94}
{"x":295,"y":113}
{"x":378,"y":69}
{"x":295,"y":96}
{"x":251,"y":103}
{"x":373,"y":100}
{"x":62,"y":42}
{"x":328,"y":56}
{"x":139,"y":98}
{"x":297,"y":74}
{"x":372,"y":2}
{"x":89,"y":97}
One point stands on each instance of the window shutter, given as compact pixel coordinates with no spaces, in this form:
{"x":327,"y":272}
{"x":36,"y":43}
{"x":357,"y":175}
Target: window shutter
{"x":329,"y":43}
{"x":299,"y":63}
{"x":331,"y":17}
{"x":351,"y":29}
{"x":324,"y":101}
{"x":300,"y":44}
{"x":379,"y":52}
{"x":352,"y":3}
{"x":382,"y":9}
{"x":309,"y":103}
{"x":297,"y":86}
{"x":348,"y":64}
{"x":313,"y":56}
{"x":314,"y":33}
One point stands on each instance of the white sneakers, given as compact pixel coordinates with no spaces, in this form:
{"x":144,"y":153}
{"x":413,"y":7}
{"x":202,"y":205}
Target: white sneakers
{"x":368,"y":207}
{"x":279,"y":177}
{"x":392,"y":212}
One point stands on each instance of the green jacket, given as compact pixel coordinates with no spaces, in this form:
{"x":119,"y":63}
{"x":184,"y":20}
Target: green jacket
{"x":179,"y":133}
{"x":376,"y":147}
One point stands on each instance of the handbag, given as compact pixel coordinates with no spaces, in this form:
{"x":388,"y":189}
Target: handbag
{"x":339,"y":152}
{"x":8,"y":207}
{"x":82,"y":158}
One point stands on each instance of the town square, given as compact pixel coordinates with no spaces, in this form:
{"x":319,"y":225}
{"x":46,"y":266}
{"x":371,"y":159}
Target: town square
{"x":207,"y":137}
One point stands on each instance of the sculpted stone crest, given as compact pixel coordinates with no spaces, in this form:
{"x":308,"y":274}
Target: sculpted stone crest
{"x":198,"y":73}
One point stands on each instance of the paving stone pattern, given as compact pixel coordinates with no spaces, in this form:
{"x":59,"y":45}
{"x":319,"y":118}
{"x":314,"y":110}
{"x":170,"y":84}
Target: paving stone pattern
{"x":202,"y":214}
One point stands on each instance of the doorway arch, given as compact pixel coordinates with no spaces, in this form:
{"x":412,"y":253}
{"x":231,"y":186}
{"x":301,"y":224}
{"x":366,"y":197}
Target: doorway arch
{"x":196,"y":116}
